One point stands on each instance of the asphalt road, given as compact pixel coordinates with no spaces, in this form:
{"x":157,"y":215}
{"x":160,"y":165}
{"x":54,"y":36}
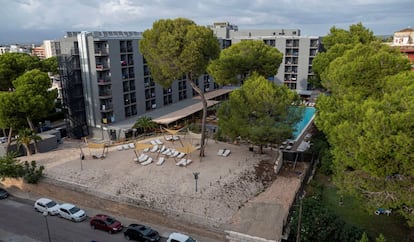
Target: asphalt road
{"x":23,"y":221}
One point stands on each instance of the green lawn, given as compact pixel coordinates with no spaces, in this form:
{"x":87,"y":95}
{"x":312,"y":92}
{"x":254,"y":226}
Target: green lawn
{"x":392,"y":227}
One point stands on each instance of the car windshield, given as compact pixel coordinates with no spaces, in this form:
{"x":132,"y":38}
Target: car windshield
{"x":74,"y":210}
{"x":110,"y":221}
{"x":51,"y":204}
{"x":190,"y":240}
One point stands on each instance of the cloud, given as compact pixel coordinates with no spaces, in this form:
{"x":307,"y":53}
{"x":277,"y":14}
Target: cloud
{"x":313,"y":17}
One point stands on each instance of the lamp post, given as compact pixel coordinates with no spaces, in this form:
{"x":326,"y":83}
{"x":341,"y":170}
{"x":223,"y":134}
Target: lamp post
{"x":196,"y":179}
{"x":47,"y":225}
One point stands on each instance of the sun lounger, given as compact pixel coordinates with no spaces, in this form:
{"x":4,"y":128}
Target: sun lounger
{"x":168,"y":138}
{"x":226,"y":152}
{"x":125,"y":147}
{"x":220,"y":152}
{"x":131,"y":145}
{"x":119,"y":147}
{"x":175,"y":137}
{"x":165,"y":152}
{"x":159,"y":142}
{"x":160,"y":161}
{"x":174,"y":154}
{"x":181,"y":162}
{"x":163,"y":148}
{"x":142,"y":158}
{"x":146,"y":149}
{"x":188,"y":161}
{"x":147,"y":162}
{"x":154,"y":149}
{"x":181,"y":155}
{"x":153,"y":142}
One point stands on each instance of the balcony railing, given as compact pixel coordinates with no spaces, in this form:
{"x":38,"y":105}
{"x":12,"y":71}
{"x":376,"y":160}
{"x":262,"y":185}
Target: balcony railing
{"x":101,"y":67}
{"x":101,"y":52}
{"x":104,"y":81}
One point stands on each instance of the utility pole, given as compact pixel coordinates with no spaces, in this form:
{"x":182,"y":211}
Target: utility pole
{"x":299,"y":221}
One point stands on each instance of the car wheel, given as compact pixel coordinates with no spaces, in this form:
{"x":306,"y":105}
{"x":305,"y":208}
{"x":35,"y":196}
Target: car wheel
{"x":73,"y":220}
{"x":93,"y":226}
{"x":127,"y":237}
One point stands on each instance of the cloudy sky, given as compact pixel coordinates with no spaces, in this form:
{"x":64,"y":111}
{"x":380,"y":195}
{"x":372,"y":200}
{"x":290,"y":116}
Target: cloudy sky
{"x":28,"y":21}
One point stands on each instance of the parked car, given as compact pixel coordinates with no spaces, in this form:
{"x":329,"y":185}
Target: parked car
{"x":141,"y":232}
{"x":3,"y":193}
{"x":178,"y":237}
{"x":106,"y":223}
{"x":46,"y":205}
{"x":71,"y":212}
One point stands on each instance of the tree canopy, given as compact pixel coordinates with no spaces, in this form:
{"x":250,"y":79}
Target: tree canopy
{"x":367,"y":119}
{"x":174,"y":48}
{"x":33,"y":96}
{"x":260,"y":111}
{"x":336,"y":43}
{"x":12,"y":65}
{"x":240,"y":60}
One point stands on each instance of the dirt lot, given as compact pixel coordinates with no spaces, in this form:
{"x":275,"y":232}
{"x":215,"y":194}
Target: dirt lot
{"x":235,"y":192}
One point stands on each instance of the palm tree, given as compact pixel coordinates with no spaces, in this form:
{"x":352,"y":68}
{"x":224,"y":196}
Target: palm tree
{"x":25,"y":137}
{"x":145,"y":123}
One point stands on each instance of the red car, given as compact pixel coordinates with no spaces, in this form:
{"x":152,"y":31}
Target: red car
{"x":106,"y":223}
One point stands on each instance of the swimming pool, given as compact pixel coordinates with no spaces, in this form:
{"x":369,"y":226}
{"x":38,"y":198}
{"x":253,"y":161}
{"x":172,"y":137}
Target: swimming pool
{"x":300,"y":126}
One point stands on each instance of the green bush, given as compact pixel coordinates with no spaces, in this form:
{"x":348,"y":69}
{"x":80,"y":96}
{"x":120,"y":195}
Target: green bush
{"x":32,"y":173}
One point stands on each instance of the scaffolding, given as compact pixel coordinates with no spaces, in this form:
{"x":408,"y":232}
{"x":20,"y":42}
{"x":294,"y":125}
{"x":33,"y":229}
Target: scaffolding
{"x":72,"y":96}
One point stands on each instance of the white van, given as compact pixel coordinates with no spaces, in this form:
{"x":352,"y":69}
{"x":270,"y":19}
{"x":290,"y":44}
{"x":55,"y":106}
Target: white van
{"x":177,"y":237}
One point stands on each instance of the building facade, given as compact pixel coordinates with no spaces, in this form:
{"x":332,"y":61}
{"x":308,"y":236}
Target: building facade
{"x":106,"y":80}
{"x":404,"y":40}
{"x":298,"y":51}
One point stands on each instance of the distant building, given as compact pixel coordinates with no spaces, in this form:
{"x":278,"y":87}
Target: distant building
{"x":38,"y":51}
{"x":4,"y":49}
{"x":298,"y":51}
{"x":404,"y":40}
{"x":51,"y":48}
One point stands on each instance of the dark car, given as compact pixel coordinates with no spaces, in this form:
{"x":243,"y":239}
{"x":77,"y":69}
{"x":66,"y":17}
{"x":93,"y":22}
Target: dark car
{"x":3,"y":193}
{"x":106,"y":223}
{"x":140,"y":232}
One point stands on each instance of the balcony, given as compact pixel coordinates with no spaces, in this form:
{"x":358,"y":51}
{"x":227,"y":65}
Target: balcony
{"x":104,"y":81}
{"x":101,"y":67}
{"x":106,"y":108}
{"x":105,"y":94}
{"x":101,"y":52}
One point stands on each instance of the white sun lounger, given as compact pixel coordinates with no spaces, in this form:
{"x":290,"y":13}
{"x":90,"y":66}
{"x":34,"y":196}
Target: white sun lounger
{"x":175,"y":137}
{"x":146,"y":149}
{"x":174,"y":154}
{"x":153,"y":142}
{"x":131,"y":145}
{"x":226,"y":152}
{"x":160,"y":161}
{"x":181,"y":162}
{"x":181,"y":155}
{"x":154,"y":149}
{"x":188,"y":162}
{"x":159,"y":142}
{"x":139,"y":157}
{"x":119,"y":147}
{"x":147,"y":162}
{"x":143,"y":158}
{"x":165,"y":151}
{"x":220,"y":152}
{"x":125,"y":147}
{"x":168,"y":138}
{"x":163,"y":148}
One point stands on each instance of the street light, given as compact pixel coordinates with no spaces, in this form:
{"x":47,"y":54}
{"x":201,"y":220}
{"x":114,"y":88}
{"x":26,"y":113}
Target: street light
{"x":45,"y":213}
{"x":196,"y":179}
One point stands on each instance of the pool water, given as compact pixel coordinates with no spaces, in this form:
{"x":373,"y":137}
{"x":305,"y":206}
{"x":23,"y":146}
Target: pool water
{"x":300,"y":126}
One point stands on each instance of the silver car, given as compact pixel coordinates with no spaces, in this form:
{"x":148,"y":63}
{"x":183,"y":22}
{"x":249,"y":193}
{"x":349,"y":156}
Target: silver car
{"x":71,"y":212}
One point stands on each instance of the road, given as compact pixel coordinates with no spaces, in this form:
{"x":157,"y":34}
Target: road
{"x":21,"y":219}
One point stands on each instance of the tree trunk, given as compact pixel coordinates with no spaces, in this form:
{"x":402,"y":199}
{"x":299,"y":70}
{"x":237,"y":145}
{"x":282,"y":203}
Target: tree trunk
{"x":29,"y":121}
{"x":27,"y":147}
{"x":204,"y":116}
{"x":9,"y":140}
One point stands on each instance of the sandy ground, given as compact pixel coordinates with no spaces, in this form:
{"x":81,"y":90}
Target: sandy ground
{"x":230,"y":189}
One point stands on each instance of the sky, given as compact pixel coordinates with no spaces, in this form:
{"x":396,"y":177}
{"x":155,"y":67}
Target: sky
{"x":32,"y":21}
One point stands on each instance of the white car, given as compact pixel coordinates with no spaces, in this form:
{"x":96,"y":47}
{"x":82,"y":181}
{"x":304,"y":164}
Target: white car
{"x":71,"y":212}
{"x":178,"y":237}
{"x":46,"y":205}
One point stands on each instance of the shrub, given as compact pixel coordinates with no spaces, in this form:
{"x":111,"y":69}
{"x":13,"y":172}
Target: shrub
{"x":32,"y":173}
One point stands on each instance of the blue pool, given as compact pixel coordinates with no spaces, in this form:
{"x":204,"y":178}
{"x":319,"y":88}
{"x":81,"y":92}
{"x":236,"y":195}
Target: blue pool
{"x":301,"y":125}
